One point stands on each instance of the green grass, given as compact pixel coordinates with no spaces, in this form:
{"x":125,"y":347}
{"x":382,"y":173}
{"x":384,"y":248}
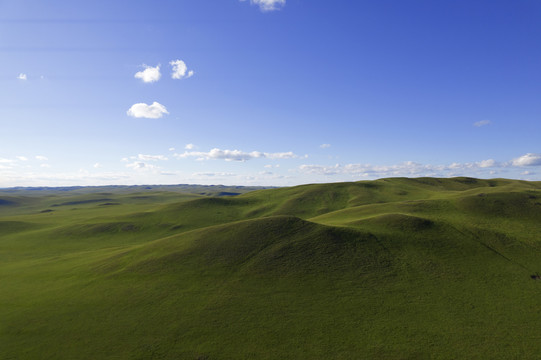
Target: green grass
{"x":388,"y":269}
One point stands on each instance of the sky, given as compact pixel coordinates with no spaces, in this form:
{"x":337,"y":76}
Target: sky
{"x":267,"y":92}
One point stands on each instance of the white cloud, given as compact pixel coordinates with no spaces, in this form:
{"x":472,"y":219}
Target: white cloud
{"x":189,"y":146}
{"x":22,"y":158}
{"x":149,"y":75}
{"x":482,"y":123}
{"x":282,"y":155}
{"x":213,"y":174}
{"x":171,"y":149}
{"x":325,"y":146}
{"x":487,"y":163}
{"x":268,"y":5}
{"x":235,"y":155}
{"x":22,"y":76}
{"x":408,"y":168}
{"x":527,"y":160}
{"x":139,"y":165}
{"x":97,"y":165}
{"x":142,"y":110}
{"x":45,"y":165}
{"x":150,"y":157}
{"x":180,"y":70}
{"x":41,"y":158}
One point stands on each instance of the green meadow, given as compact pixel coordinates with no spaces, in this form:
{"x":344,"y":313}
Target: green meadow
{"x":395,"y":268}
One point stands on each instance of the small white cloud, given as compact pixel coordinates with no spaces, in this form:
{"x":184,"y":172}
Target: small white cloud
{"x":189,"y":146}
{"x":180,"y":70}
{"x":171,"y":149}
{"x":268,"y":5}
{"x":142,"y":110}
{"x":22,"y":76}
{"x":150,"y":74}
{"x":45,"y":165}
{"x":482,"y":123}
{"x":528,"y":160}
{"x":41,"y":158}
{"x":97,"y":165}
{"x":325,"y":146}
{"x":22,"y":158}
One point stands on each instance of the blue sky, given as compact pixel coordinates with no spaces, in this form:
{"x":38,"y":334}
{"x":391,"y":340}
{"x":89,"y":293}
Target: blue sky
{"x":267,"y":92}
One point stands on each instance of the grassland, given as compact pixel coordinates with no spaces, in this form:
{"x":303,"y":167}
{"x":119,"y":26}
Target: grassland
{"x":389,"y":269}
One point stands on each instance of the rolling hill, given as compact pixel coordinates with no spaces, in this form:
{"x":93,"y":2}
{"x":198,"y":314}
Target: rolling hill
{"x":395,"y":268}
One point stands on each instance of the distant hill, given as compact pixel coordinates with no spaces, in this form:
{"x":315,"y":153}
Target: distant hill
{"x":395,"y":268}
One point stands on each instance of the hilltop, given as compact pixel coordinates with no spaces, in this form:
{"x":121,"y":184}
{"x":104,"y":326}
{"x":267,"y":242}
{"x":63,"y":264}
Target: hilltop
{"x":391,"y":268}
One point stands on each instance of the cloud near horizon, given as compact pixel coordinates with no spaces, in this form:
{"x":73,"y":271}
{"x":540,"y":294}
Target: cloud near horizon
{"x":527,"y":160}
{"x":235,"y":155}
{"x":141,"y":166}
{"x":149,"y":75}
{"x":408,"y":168}
{"x":142,"y":110}
{"x":143,"y":157}
{"x":411,"y":168}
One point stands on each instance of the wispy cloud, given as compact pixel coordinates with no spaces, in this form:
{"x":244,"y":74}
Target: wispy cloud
{"x":150,"y":74}
{"x":325,"y":146}
{"x":142,"y":110}
{"x":41,"y":158}
{"x":482,"y":123}
{"x":268,"y":5}
{"x":213,"y":174}
{"x":22,"y":158}
{"x":22,"y":76}
{"x":5,"y":161}
{"x":143,"y":157}
{"x":141,"y":166}
{"x":180,"y":70}
{"x":408,"y":168}
{"x":235,"y":155}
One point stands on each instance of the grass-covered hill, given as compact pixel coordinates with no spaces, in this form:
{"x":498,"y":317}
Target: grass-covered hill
{"x":388,"y":269}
